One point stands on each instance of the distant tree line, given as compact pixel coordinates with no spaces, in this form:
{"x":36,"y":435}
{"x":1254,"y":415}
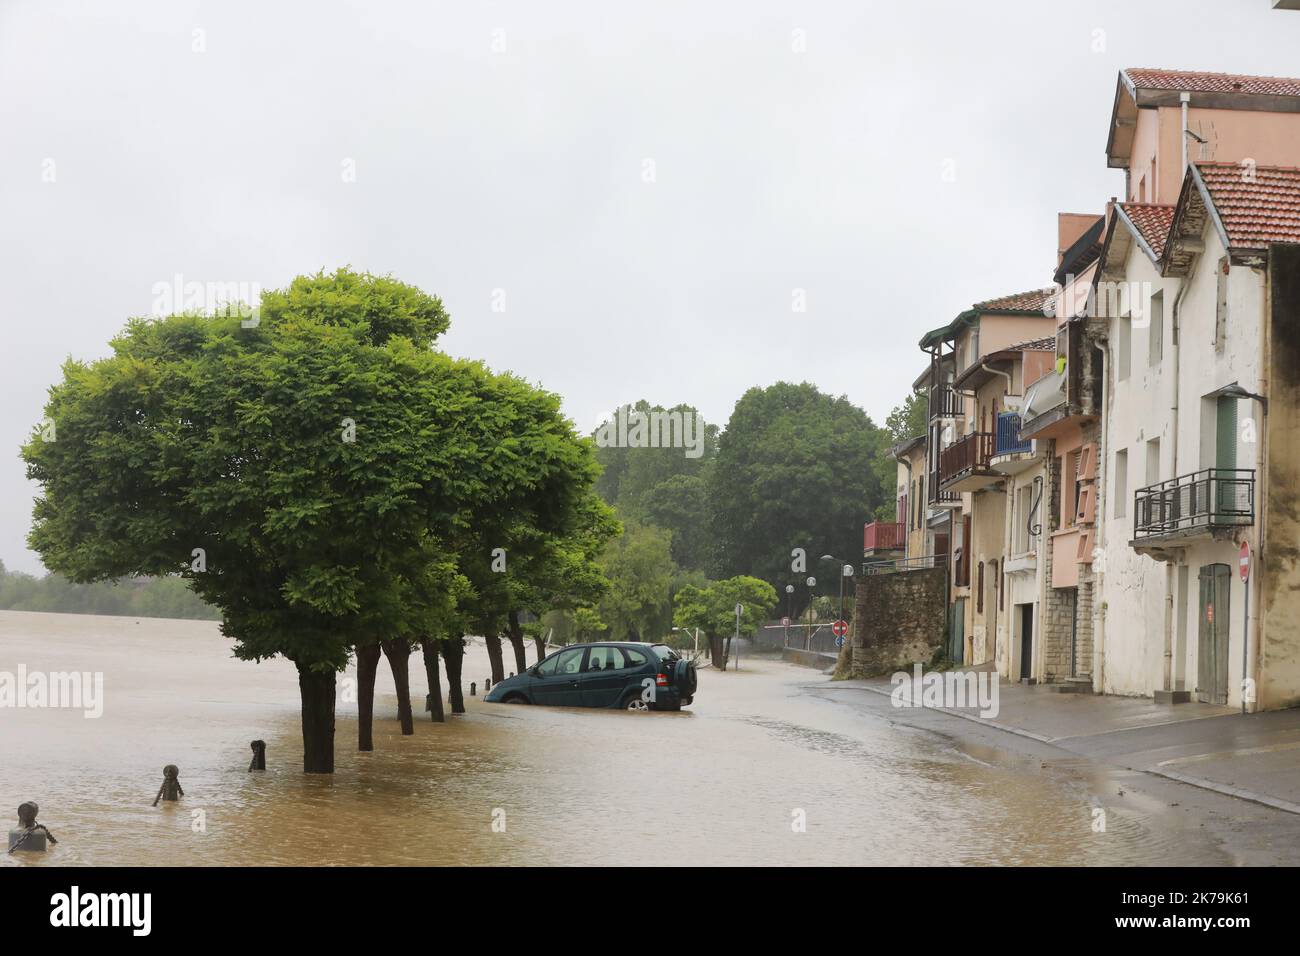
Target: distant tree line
{"x":131,"y":597}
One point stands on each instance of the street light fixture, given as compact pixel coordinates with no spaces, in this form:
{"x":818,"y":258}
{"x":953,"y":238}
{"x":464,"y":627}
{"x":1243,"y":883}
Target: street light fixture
{"x":807,"y":641}
{"x":789,"y":611}
{"x":846,"y":571}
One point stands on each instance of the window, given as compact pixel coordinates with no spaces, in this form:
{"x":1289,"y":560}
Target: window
{"x":570,"y":661}
{"x":1070,"y":488}
{"x":979,"y":589}
{"x":1121,"y":483}
{"x":634,"y":658}
{"x":1153,"y":462}
{"x":604,"y":659}
{"x":1225,"y":445}
{"x":1124,"y":348}
{"x":547,"y":667}
{"x":1156,"y":333}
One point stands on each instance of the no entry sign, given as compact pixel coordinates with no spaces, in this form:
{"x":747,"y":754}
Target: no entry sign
{"x":840,"y":628}
{"x":1243,"y":561}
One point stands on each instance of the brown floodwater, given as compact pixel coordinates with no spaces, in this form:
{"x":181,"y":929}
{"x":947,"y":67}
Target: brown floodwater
{"x":720,"y":783}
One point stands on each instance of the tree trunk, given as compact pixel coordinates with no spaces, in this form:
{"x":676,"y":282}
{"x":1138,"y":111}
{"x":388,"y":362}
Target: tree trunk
{"x":540,"y":640}
{"x":433,"y":703}
{"x":517,"y":641}
{"x":715,"y":651}
{"x":493,"y":641}
{"x":726,"y":654}
{"x":367,"y":666}
{"x":399,"y":656}
{"x":453,"y":653}
{"x":317,"y":690}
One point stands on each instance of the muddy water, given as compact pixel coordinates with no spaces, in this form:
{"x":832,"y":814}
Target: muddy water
{"x":721,"y":782}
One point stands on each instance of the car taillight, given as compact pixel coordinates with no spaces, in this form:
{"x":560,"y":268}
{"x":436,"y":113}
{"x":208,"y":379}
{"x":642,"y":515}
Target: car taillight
{"x":661,"y":680}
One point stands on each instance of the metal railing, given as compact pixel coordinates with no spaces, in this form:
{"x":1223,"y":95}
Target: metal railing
{"x":936,"y":494}
{"x":894,"y":565}
{"x":966,"y":454}
{"x":883,"y":535}
{"x":1008,"y":436}
{"x":1212,"y":498}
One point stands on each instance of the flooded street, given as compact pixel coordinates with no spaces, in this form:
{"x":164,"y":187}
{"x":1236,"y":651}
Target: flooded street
{"x":720,"y":783}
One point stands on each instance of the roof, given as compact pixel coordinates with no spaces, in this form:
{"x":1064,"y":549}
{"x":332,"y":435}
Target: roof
{"x":1256,"y":205}
{"x":1151,"y":222}
{"x":907,"y":445}
{"x":1145,"y":88}
{"x":1189,"y":81}
{"x":1036,"y":302}
{"x":1047,"y":344}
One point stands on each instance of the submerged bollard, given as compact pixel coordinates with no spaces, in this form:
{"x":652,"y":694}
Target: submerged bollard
{"x":29,"y":836}
{"x":471,"y":688}
{"x":428,"y":702}
{"x":171,"y":785}
{"x":512,"y":673}
{"x":259,"y":756}
{"x":487,"y":684}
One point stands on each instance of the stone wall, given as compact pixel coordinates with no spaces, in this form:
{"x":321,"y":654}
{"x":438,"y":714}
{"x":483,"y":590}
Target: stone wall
{"x":901,"y":618}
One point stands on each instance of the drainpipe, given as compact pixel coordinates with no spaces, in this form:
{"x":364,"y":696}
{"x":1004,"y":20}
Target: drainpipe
{"x":1171,"y":577}
{"x":1261,"y":458}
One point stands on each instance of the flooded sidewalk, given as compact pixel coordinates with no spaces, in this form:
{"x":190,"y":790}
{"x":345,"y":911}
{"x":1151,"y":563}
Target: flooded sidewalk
{"x":772,"y":765}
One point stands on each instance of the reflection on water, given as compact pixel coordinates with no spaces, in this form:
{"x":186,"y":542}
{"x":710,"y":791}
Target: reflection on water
{"x":721,"y":782}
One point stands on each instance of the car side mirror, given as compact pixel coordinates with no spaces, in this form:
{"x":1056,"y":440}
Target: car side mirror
{"x":535,"y":671}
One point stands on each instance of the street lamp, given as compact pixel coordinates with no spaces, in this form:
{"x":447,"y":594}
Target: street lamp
{"x":807,"y":641}
{"x":789,"y":611}
{"x":846,"y":571}
{"x":697,"y":637}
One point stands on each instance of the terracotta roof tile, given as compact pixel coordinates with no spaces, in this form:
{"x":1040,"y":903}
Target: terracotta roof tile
{"x":1033,"y":301}
{"x":1152,"y":222}
{"x":1047,"y":344}
{"x":1192,"y":82}
{"x":1256,"y":205}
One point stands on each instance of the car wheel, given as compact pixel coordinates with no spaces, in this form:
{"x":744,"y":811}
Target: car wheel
{"x":635,"y":702}
{"x":516,"y":699}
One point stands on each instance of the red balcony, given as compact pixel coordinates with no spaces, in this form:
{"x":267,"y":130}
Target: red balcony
{"x":964,"y":465}
{"x":884,"y":536}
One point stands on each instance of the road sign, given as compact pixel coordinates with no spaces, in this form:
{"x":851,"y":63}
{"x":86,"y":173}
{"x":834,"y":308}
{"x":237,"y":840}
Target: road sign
{"x":785,"y":622}
{"x":1243,"y":561}
{"x":839,"y":642}
{"x":840,"y":628}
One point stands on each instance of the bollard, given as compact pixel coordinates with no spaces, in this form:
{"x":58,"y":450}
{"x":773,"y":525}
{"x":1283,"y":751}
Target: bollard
{"x":471,"y":688}
{"x":29,"y":835}
{"x":259,"y":756}
{"x":487,"y":684}
{"x":171,"y":785}
{"x":512,"y":673}
{"x":428,"y":702}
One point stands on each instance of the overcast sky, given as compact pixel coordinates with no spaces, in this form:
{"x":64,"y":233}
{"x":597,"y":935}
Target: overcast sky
{"x":646,"y":188}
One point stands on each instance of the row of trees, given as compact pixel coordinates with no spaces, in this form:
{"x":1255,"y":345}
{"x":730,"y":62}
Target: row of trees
{"x":136,"y":597}
{"x":325,"y":479}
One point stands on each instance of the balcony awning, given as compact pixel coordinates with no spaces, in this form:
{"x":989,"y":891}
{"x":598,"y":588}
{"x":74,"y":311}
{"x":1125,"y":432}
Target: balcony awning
{"x":1044,"y":395}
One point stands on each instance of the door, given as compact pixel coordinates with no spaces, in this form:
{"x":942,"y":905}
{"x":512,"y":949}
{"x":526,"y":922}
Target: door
{"x":957,"y":631}
{"x":1026,"y":642}
{"x":559,"y":686}
{"x":1212,"y":651}
{"x":604,"y":675}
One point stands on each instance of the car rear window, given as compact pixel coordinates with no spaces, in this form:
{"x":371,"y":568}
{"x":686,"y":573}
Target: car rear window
{"x":664,"y":652}
{"x":634,"y":658}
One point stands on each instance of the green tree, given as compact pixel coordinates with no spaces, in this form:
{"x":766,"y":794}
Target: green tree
{"x":795,"y":469}
{"x":905,"y":422}
{"x":712,"y":609}
{"x":305,"y":473}
{"x":639,"y":567}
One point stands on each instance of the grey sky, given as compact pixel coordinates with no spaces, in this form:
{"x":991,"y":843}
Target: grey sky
{"x":522,"y":171}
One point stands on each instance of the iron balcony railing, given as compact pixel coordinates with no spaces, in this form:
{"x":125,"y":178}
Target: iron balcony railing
{"x":883,"y":535}
{"x":967,"y":454}
{"x":1202,"y":500}
{"x":1008,"y":440}
{"x":893,"y":565}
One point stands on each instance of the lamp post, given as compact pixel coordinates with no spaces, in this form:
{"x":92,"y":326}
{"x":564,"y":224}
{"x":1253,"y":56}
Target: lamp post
{"x":789,"y":611}
{"x":697,"y":637}
{"x":807,"y":641}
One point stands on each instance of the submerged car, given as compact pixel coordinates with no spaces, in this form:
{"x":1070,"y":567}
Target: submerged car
{"x":623,"y":675}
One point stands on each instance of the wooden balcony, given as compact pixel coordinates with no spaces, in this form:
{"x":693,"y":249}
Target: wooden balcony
{"x":964,"y":465}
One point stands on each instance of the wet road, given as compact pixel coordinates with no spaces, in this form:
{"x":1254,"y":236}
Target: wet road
{"x":771,"y":765}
